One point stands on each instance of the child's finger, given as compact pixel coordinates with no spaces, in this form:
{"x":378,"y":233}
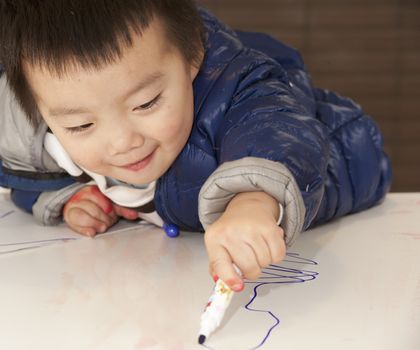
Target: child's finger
{"x":261,"y":251}
{"x":221,"y":265}
{"x":126,"y":213}
{"x":88,"y":214}
{"x":277,"y":245}
{"x":81,"y":222}
{"x":244,"y":256}
{"x":94,"y":194}
{"x":95,"y":212}
{"x":85,"y":231}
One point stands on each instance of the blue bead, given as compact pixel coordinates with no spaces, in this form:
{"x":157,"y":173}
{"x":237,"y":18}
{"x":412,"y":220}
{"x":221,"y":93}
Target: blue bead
{"x":171,"y":230}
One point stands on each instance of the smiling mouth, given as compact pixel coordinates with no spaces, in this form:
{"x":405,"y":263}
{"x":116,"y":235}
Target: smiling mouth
{"x":140,"y":164}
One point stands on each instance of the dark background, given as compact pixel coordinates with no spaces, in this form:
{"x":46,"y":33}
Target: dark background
{"x":368,"y":50}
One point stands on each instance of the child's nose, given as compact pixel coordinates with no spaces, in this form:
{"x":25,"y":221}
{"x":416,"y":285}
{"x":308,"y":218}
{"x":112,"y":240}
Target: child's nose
{"x":123,"y":138}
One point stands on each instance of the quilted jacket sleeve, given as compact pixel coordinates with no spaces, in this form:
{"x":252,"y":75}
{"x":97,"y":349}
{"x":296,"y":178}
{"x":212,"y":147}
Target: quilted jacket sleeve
{"x":359,"y":171}
{"x":38,"y":185}
{"x":275,"y":116}
{"x":271,"y":118}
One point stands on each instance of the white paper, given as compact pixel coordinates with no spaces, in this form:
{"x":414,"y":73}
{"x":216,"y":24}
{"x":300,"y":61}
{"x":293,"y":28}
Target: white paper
{"x":351,"y":284}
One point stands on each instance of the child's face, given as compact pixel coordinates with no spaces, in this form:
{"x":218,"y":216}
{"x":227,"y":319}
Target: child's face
{"x":129,"y":120}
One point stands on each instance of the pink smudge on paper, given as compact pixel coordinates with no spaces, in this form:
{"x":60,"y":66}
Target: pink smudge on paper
{"x":145,"y":343}
{"x":413,"y":235}
{"x":401,"y":211}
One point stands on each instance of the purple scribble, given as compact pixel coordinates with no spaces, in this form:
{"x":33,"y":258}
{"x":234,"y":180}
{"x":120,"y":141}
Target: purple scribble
{"x":38,"y":242}
{"x":6,"y":214}
{"x":277,"y":274}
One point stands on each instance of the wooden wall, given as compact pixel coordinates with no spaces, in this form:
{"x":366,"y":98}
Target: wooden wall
{"x":368,"y":50}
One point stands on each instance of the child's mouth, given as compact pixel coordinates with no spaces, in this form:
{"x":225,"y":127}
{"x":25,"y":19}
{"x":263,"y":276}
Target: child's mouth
{"x":140,"y":164}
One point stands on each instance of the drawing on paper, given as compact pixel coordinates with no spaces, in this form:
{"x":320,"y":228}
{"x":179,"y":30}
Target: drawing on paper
{"x":5,"y":211}
{"x":278,"y":274}
{"x":289,"y":271}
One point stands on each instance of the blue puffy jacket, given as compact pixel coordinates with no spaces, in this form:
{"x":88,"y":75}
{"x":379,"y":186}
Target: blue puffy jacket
{"x":253,"y":98}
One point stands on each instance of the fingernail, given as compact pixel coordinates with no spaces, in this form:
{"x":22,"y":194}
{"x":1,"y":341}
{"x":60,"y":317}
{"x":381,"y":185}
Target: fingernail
{"x":235,"y":285}
{"x":238,"y":287}
{"x":133,"y":215}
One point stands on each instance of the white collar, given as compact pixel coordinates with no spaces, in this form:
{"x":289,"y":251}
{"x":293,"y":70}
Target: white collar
{"x":119,"y":194}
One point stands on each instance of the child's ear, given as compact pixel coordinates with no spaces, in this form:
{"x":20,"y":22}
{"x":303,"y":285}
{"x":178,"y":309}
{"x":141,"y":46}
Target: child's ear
{"x":193,"y":71}
{"x":195,"y":66}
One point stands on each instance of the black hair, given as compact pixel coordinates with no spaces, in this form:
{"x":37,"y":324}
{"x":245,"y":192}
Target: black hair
{"x":58,"y":34}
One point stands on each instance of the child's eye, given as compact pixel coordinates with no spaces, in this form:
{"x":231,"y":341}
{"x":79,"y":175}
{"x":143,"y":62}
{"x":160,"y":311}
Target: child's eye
{"x":149,"y":104}
{"x":79,"y":128}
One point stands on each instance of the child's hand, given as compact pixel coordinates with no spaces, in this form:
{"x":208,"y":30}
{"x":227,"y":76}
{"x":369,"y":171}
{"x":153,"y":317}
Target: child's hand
{"x":246,"y":235}
{"x":89,"y":212}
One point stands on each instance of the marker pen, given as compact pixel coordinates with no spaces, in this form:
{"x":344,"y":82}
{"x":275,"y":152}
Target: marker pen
{"x":216,"y":307}
{"x":215,"y":310}
{"x":219,"y":302}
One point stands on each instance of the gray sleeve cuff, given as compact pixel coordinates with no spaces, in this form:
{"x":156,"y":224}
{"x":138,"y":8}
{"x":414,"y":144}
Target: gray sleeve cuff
{"x":249,"y":175}
{"x":47,"y":210}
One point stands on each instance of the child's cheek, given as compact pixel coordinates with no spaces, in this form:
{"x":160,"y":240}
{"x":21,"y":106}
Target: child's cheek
{"x":178,"y":131}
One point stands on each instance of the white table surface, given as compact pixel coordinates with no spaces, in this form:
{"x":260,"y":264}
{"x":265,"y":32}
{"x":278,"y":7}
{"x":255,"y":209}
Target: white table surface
{"x":139,"y":289}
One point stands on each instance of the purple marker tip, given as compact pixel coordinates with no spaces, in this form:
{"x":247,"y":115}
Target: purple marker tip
{"x":201,"y":339}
